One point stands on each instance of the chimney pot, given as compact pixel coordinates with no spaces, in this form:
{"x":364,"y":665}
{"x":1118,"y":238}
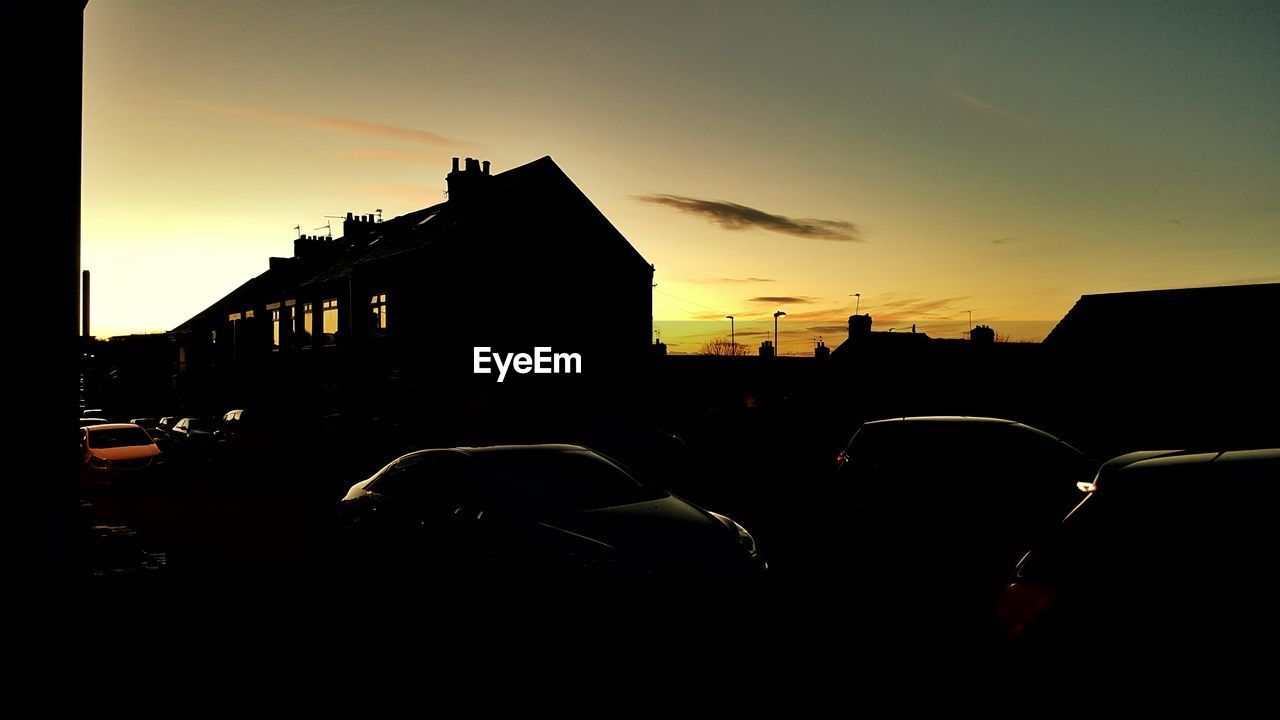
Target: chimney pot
{"x":455,"y":164}
{"x":348,"y":216}
{"x":486,"y":167}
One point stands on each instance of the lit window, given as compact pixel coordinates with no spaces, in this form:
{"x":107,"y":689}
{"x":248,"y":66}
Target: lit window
{"x":275,"y":329}
{"x":329,"y":318}
{"x":378,"y":304}
{"x":248,"y":314}
{"x":308,"y":322}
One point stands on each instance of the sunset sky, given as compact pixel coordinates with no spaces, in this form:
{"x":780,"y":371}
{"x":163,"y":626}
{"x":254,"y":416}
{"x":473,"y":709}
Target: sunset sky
{"x":938,"y":158}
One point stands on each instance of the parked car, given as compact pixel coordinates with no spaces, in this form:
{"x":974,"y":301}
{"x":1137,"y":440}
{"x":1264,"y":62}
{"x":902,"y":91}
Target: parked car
{"x":90,"y":421}
{"x":545,"y":509}
{"x":934,"y":512}
{"x":1158,"y":580}
{"x":165,"y":425}
{"x":148,"y":424}
{"x":194,"y":430}
{"x":116,"y":451}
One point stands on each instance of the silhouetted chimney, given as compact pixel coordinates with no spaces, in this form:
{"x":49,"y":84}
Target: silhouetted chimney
{"x":821,"y":352}
{"x":859,"y":326}
{"x":465,"y":184}
{"x":982,"y":336}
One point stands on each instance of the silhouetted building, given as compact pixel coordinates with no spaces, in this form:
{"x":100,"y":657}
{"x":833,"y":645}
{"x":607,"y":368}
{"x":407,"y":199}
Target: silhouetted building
{"x":863,"y":340}
{"x":390,"y":313}
{"x":766,"y":349}
{"x":1170,"y":328}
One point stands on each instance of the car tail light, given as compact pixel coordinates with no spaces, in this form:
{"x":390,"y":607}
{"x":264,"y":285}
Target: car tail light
{"x":1020,"y":605}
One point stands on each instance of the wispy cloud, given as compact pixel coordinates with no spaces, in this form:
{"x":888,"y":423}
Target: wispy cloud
{"x":732,"y":216}
{"x":894,"y":309}
{"x":394,"y":155}
{"x":733,"y":281}
{"x":410,"y":193}
{"x":345,"y":125}
{"x":982,"y":106}
{"x":783,"y":299}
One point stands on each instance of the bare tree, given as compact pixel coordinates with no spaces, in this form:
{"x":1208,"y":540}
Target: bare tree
{"x":721,"y":346}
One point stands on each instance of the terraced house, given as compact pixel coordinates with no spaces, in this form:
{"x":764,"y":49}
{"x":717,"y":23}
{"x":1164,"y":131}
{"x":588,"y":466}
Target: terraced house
{"x":388,"y":314}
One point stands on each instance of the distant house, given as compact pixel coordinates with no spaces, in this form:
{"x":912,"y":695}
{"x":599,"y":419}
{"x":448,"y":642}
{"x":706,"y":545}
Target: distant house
{"x":389,"y":313}
{"x":865,"y":342}
{"x":1171,"y":329}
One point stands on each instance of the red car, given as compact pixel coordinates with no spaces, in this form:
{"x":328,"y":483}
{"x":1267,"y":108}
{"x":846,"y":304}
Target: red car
{"x":115,"y":451}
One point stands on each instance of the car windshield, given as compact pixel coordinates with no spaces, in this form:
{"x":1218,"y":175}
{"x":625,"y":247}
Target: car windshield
{"x":200,"y":425}
{"x":119,"y":437}
{"x":548,"y":482}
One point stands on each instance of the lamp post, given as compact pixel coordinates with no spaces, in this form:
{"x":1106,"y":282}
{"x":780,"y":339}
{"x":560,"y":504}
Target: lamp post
{"x":775,"y":331}
{"x":733,"y":338}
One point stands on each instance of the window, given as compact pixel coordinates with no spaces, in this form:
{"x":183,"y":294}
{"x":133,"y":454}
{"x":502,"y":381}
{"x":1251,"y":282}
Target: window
{"x":233,"y":317}
{"x":275,"y":329}
{"x":378,"y":304}
{"x":290,"y":318}
{"x":308,"y":324}
{"x":329,"y":318}
{"x":248,"y":314}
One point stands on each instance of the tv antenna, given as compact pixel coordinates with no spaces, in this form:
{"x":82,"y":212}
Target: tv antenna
{"x":328,"y":228}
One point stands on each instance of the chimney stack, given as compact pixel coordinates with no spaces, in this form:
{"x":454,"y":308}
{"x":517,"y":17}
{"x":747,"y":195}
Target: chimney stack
{"x":859,"y":326}
{"x":467,"y":183}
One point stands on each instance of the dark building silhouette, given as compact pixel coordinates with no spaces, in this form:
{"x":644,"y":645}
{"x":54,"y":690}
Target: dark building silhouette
{"x":1170,"y":328}
{"x":863,"y":340}
{"x":385,"y":317}
{"x":1191,"y":367}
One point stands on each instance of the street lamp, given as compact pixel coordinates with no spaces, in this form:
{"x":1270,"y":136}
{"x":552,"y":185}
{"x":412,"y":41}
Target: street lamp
{"x":775,"y":331}
{"x":733,"y":338}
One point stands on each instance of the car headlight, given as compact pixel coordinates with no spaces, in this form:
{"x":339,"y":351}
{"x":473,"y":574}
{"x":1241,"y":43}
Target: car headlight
{"x":99,"y":463}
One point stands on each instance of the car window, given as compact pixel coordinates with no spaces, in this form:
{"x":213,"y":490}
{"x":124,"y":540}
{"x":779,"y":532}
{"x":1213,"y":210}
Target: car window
{"x":118,"y":437}
{"x":542,"y":482}
{"x":422,"y":477}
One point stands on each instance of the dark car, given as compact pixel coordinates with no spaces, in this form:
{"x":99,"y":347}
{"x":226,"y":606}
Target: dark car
{"x":165,"y":424}
{"x":193,"y":434}
{"x":1159,"y":580}
{"x":91,"y":421}
{"x":934,"y":513}
{"x":542,"y":509}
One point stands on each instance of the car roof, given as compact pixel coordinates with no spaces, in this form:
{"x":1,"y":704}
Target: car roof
{"x":498,"y":449}
{"x":111,"y":426}
{"x":944,"y":419}
{"x":1157,"y":462}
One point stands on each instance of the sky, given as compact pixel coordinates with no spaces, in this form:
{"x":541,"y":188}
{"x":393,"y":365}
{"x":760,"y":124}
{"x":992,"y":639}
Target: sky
{"x":941,"y":160}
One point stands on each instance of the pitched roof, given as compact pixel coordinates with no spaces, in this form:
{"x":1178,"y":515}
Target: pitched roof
{"x":436,"y":227}
{"x":1155,"y":318}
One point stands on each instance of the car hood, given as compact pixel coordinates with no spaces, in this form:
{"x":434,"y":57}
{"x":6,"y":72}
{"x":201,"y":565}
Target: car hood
{"x":129,"y":452}
{"x":668,"y":529}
